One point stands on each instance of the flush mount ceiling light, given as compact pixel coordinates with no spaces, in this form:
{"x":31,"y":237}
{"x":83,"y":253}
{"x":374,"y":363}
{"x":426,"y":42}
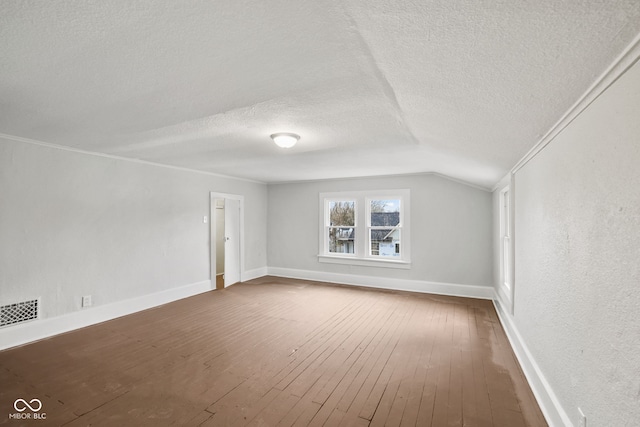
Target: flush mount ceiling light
{"x":285,"y":140}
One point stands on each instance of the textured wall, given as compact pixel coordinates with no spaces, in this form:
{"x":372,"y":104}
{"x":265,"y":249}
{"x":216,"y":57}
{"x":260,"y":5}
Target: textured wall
{"x":73,"y":224}
{"x":577,"y":300}
{"x":450,"y":228}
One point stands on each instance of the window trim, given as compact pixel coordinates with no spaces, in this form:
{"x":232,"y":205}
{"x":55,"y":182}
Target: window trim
{"x":505,"y":238}
{"x":506,"y":243}
{"x":361,"y":255}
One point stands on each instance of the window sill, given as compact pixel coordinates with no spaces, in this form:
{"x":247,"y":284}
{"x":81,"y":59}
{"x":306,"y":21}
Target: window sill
{"x":366,"y":262}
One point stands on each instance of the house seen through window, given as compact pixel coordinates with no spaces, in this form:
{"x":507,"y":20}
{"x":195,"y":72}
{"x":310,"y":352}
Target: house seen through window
{"x":384,"y":228}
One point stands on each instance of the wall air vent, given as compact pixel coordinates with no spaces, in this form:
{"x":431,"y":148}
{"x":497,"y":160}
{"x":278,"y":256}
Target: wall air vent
{"x":19,"y":312}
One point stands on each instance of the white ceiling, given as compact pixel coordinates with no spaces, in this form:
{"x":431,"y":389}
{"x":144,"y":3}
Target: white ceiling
{"x":461,"y":88}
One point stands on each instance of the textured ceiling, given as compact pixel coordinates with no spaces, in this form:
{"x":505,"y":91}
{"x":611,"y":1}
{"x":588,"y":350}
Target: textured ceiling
{"x":461,"y":88}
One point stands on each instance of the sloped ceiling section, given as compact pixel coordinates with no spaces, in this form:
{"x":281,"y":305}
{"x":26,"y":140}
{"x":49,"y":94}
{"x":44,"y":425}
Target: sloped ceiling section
{"x":461,"y":88}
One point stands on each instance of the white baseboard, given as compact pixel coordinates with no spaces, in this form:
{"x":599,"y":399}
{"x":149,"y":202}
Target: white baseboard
{"x":16,"y":335}
{"x":451,"y":289}
{"x":254,"y":274}
{"x":553,"y":411}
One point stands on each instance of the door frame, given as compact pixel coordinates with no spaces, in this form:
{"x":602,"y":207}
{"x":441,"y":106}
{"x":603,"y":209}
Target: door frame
{"x":213,"y":235}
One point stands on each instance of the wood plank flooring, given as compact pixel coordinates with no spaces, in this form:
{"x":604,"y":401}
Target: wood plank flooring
{"x":279,"y":352}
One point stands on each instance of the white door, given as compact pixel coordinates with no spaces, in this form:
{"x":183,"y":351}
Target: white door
{"x":232,"y":241}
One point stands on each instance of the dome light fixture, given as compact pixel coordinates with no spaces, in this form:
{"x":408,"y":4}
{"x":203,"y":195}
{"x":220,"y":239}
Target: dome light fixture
{"x":284,"y":139}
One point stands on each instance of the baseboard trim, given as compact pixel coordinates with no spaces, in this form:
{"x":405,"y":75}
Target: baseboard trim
{"x":254,"y":274}
{"x":421,"y":286}
{"x":17,"y":335}
{"x":553,"y":411}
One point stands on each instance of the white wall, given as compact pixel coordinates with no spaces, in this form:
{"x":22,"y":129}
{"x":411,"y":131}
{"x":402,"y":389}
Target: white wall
{"x":74,"y":224}
{"x":450,"y":229}
{"x":577,"y":249}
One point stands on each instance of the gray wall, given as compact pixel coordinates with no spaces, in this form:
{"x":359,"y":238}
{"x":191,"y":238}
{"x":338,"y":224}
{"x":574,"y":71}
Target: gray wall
{"x":73,"y":224}
{"x":577,"y":285}
{"x":451,"y":227}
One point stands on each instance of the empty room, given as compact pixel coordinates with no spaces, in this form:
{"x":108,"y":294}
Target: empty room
{"x":320,"y":213}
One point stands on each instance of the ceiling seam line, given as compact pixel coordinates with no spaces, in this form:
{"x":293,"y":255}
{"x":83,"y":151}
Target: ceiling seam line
{"x":114,"y":157}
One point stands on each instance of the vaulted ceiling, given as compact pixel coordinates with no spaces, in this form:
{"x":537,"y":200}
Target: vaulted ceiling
{"x":378,"y":87}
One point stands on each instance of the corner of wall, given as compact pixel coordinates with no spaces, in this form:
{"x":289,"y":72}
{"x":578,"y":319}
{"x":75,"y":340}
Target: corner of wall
{"x":254,"y":274}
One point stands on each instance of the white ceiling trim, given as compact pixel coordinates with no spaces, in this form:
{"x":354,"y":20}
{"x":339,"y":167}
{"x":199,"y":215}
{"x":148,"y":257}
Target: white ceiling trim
{"x":127,"y":159}
{"x":627,"y":59}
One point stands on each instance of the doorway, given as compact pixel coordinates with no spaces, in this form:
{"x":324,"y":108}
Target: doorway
{"x":227,"y":224}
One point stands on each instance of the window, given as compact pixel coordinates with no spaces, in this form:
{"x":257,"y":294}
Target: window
{"x":365,"y":228}
{"x":505,"y":243}
{"x":341,"y":227}
{"x":505,"y":231}
{"x":384,"y":227}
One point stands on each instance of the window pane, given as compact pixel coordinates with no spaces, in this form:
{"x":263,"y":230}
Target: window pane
{"x":385,"y":213}
{"x":341,"y":240}
{"x":385,"y":242}
{"x":342,"y":213}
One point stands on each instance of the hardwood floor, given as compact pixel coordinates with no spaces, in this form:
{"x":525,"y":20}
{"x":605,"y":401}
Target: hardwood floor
{"x":279,"y":352}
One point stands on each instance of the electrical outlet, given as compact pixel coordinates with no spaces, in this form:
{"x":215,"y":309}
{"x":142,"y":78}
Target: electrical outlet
{"x":86,"y":301}
{"x":583,"y":419}
{"x":205,"y":219}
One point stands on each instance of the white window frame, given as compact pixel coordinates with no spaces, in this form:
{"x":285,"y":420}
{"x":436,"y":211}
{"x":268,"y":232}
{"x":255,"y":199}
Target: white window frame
{"x":506,"y":285}
{"x":505,"y":239}
{"x":362,"y":255}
